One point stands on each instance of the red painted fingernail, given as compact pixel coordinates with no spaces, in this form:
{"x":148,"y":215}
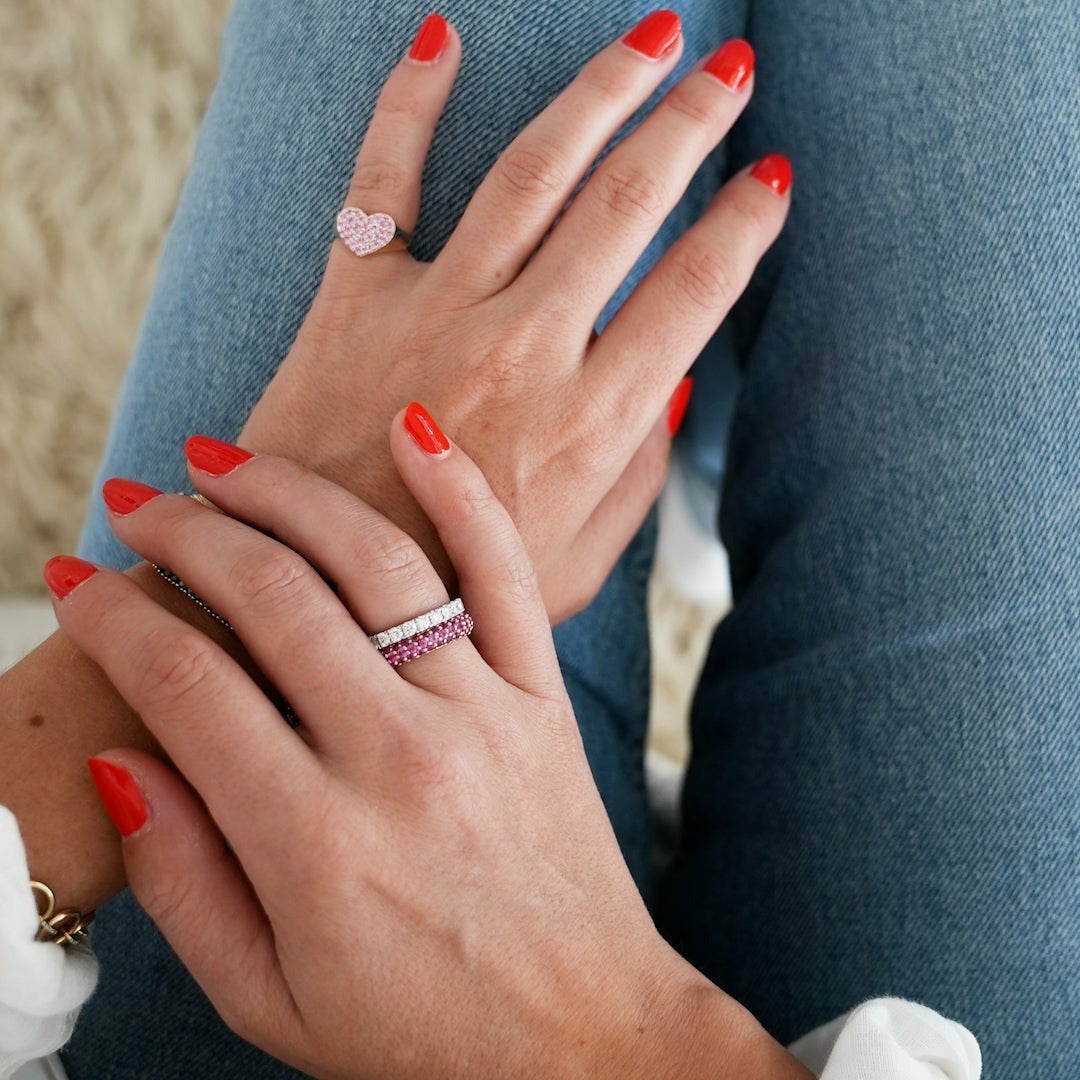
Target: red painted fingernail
{"x":656,"y":35}
{"x":120,"y":795}
{"x":214,"y":456}
{"x":64,"y":574}
{"x":430,"y":39}
{"x":677,"y":405}
{"x":732,"y":63}
{"x":124,"y":496}
{"x":425,"y":432}
{"x":774,"y":171}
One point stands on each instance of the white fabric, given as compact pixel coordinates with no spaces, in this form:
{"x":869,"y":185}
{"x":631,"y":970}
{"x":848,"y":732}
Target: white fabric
{"x":42,"y":988}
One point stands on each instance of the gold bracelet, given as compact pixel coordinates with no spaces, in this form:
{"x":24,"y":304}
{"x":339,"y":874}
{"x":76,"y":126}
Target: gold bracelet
{"x":61,"y":927}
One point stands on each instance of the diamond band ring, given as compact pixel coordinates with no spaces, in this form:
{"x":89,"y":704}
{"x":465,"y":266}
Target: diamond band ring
{"x":412,"y":627}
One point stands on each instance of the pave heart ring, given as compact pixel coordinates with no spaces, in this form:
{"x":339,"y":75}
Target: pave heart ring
{"x":367,"y":233}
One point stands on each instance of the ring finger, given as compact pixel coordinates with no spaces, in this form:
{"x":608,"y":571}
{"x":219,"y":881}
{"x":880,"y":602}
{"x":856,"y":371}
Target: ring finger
{"x":639,"y":183}
{"x":381,"y":574}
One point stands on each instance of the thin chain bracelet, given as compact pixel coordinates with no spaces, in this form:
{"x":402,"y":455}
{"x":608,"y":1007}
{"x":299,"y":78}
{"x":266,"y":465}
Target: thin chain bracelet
{"x":190,"y":593}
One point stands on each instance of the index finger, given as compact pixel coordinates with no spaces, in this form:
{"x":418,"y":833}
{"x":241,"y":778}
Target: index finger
{"x":216,"y":725}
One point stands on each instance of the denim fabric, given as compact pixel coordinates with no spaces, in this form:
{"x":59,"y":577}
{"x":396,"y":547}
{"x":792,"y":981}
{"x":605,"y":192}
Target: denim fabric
{"x":882,"y":797}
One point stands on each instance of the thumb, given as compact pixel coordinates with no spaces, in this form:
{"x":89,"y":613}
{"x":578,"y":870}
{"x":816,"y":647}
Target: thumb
{"x":186,"y":879}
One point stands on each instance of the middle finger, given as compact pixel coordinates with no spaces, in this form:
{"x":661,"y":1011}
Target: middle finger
{"x":526,"y":188}
{"x":621,"y":207}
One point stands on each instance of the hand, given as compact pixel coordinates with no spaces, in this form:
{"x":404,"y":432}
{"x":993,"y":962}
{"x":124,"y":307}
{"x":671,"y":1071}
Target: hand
{"x":496,"y":335}
{"x":423,"y":880}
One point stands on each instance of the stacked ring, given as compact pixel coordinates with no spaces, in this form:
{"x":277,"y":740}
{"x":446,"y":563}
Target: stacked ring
{"x":425,"y":633}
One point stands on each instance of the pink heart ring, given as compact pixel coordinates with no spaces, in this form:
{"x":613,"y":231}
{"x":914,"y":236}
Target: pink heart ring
{"x":364,"y":234}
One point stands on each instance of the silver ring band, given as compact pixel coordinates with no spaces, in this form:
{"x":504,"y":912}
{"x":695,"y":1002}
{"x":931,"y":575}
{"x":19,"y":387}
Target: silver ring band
{"x":430,"y":619}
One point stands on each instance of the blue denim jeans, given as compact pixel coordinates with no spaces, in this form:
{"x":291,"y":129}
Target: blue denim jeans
{"x":882,"y":797}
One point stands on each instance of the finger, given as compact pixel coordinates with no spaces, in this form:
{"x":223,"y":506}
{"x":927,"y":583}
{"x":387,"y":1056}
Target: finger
{"x":287,"y":617}
{"x":533,"y":178}
{"x":186,"y":879}
{"x":495,"y":575}
{"x":639,"y":183}
{"x":676,"y":309}
{"x":189,"y":692}
{"x":391,"y":158}
{"x":381,"y":574}
{"x":619,"y":515}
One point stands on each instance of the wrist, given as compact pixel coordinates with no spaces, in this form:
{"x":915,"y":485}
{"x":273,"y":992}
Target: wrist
{"x":682,"y":1025}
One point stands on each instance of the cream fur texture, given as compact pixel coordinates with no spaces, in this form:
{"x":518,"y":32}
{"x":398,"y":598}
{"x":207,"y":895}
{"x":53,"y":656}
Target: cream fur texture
{"x":99,"y":103}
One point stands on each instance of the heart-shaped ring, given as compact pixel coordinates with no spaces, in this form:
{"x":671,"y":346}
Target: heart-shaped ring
{"x":364,"y":234}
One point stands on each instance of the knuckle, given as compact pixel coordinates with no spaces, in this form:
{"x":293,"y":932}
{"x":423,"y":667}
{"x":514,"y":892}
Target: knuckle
{"x":688,"y":100}
{"x":384,"y":177}
{"x":630,"y":192}
{"x":400,"y":557}
{"x":167,"y":895}
{"x":501,"y":363}
{"x":529,"y":171}
{"x":757,"y":216}
{"x":404,"y":107}
{"x":611,"y":82}
{"x":179,"y":668}
{"x":703,"y":277}
{"x":520,"y":581}
{"x":267,"y":582}
{"x":433,"y":770}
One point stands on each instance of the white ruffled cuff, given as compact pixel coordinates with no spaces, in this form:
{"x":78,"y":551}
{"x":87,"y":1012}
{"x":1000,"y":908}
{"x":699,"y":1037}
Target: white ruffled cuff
{"x":42,"y":987}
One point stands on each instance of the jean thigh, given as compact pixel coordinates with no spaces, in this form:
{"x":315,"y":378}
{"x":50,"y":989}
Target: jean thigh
{"x":883,"y":795}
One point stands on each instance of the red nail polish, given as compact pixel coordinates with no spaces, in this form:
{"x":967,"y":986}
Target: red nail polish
{"x":64,"y":574}
{"x":214,"y":456}
{"x":424,"y":430}
{"x":656,"y":35}
{"x":120,"y":795}
{"x":124,"y":496}
{"x":732,"y":63}
{"x":430,"y":39}
{"x":677,"y":405}
{"x":774,"y":171}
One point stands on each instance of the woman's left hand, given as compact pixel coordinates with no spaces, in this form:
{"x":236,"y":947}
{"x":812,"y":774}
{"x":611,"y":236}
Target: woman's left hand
{"x":421,"y":880}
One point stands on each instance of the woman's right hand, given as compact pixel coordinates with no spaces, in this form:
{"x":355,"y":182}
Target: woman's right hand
{"x":422,"y":880}
{"x":496,"y":335}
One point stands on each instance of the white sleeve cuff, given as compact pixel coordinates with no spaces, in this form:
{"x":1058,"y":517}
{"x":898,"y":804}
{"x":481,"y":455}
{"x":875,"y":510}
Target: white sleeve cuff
{"x":42,"y":986}
{"x":890,"y":1039}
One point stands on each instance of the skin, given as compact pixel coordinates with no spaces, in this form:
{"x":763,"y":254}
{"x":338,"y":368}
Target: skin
{"x":496,"y":337}
{"x":495,"y":938}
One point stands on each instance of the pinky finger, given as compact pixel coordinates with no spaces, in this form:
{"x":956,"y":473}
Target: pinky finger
{"x":191,"y":885}
{"x":621,"y":512}
{"x":495,"y":574}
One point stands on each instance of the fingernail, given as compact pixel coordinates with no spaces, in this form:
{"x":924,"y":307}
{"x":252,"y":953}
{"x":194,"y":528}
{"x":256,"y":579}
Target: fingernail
{"x":677,"y":405}
{"x":656,"y":35}
{"x":214,"y":456}
{"x":430,"y":39}
{"x":424,"y":431}
{"x":732,"y":63}
{"x":774,"y":171}
{"x":64,"y":574}
{"x":120,"y":795}
{"x":124,"y":496}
